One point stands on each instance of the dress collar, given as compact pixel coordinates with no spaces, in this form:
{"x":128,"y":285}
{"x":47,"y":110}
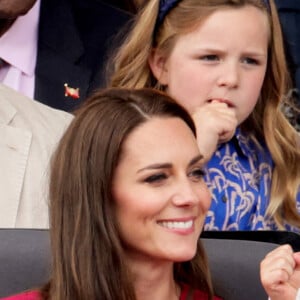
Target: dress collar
{"x":245,"y":144}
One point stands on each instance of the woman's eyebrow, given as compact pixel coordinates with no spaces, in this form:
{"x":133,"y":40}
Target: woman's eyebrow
{"x":156,"y":166}
{"x":196,"y":159}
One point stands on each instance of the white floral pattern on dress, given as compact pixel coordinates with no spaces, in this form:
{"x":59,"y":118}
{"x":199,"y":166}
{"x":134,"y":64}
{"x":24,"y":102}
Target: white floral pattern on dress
{"x":239,"y":178}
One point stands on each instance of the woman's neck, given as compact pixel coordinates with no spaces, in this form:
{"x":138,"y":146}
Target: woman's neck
{"x":154,"y":280}
{"x":155,"y":288}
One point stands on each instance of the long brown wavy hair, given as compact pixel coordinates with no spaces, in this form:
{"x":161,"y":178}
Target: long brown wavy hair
{"x":88,"y":257}
{"x":266,"y":123}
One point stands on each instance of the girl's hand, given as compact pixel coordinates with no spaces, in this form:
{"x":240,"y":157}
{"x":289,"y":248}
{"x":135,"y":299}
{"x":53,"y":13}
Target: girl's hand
{"x":215,"y":124}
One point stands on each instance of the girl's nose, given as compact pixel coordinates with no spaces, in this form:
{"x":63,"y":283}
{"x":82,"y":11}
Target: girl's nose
{"x":229,"y":75}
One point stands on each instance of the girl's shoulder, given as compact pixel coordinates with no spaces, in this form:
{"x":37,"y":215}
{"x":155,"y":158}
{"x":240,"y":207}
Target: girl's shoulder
{"x":30,"y":295}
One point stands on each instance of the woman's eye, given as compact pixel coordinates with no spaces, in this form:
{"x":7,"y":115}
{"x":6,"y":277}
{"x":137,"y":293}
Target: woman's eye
{"x":210,"y":57}
{"x":250,"y":61}
{"x":155,"y":178}
{"x":197,"y":173}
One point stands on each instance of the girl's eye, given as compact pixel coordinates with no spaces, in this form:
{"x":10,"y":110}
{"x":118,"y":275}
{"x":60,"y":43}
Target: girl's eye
{"x":250,"y":61}
{"x":156,"y":178}
{"x":197,"y":174}
{"x":210,"y":57}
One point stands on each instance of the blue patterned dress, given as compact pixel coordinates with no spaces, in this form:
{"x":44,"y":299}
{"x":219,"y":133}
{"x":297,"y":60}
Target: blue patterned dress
{"x":239,"y":178}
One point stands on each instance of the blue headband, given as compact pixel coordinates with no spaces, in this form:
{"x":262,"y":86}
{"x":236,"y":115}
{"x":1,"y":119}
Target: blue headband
{"x":166,"y":5}
{"x":267,"y":4}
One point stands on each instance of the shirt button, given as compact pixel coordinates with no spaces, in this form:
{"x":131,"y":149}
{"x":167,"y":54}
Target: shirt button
{"x":224,"y":199}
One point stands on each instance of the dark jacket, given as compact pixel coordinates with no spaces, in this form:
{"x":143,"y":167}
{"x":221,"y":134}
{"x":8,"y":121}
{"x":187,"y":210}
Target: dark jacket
{"x":73,"y":44}
{"x":289,"y":14}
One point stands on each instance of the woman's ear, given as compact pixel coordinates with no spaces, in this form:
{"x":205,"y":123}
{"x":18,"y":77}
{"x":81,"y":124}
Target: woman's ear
{"x":158,"y":66}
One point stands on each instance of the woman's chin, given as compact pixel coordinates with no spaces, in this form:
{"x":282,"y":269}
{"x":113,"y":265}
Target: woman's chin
{"x":184,"y":255}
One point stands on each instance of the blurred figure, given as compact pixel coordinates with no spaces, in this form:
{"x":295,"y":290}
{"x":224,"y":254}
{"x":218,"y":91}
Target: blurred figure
{"x":131,"y":6}
{"x":54,"y":51}
{"x":289,"y":13}
{"x":29,"y":133}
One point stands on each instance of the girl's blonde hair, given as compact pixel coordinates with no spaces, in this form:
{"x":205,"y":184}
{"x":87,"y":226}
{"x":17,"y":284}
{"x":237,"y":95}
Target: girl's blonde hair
{"x":266,"y":122}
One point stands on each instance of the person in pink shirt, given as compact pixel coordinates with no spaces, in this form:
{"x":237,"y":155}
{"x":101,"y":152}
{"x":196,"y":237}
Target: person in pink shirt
{"x":51,"y":48}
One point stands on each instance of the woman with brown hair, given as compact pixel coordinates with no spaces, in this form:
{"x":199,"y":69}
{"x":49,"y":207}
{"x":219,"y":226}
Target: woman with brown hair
{"x":127,"y":203}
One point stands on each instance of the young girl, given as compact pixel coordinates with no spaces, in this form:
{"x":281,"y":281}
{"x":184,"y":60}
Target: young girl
{"x":223,"y":60}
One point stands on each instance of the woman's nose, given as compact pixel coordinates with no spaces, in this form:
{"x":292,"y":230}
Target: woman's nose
{"x":187,"y":194}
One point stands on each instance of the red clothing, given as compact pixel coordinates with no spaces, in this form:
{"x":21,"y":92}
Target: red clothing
{"x":34,"y":295}
{"x":197,"y":295}
{"x":30,"y":295}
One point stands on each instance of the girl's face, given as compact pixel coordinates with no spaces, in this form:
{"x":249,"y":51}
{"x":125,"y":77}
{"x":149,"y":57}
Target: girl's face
{"x":161,"y":198}
{"x":223,"y":59}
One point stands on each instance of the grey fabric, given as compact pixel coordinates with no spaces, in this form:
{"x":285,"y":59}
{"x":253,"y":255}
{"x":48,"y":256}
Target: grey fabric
{"x":25,"y":263}
{"x":235,"y":266}
{"x":24,"y":259}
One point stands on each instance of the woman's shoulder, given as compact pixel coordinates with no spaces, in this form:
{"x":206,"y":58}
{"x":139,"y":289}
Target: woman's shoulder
{"x":30,"y":295}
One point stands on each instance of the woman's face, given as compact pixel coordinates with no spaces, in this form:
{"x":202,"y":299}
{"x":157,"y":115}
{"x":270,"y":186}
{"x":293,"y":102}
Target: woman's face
{"x":161,"y":198}
{"x":224,"y":59}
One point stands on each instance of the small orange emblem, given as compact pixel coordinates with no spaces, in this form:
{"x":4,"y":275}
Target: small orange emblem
{"x":71,"y":92}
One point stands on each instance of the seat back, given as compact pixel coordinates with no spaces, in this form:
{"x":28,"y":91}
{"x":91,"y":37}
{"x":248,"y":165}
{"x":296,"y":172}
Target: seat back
{"x":235,"y":267}
{"x":270,"y":236}
{"x":24,"y":259}
{"x":25,"y":263}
